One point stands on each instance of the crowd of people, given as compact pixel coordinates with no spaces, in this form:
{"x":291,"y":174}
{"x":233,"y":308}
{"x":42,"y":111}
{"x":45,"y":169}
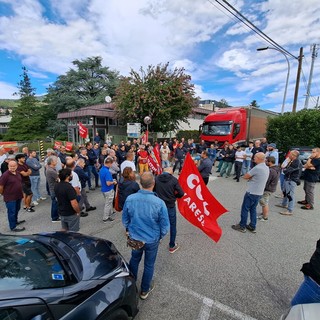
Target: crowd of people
{"x":94,"y":165}
{"x":147,"y":216}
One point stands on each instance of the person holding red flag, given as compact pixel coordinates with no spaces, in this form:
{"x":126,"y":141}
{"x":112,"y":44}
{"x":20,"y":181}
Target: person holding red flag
{"x":143,"y":159}
{"x":168,"y":189}
{"x":198,"y":205}
{"x":205,"y":166}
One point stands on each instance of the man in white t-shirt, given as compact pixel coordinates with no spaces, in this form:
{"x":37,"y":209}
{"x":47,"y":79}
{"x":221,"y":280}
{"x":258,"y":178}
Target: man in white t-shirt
{"x":240,"y":157}
{"x":164,"y":153}
{"x":129,"y":162}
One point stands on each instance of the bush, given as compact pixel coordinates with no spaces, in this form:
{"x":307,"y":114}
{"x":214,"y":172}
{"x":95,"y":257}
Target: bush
{"x":295,"y":129}
{"x":189,"y":134}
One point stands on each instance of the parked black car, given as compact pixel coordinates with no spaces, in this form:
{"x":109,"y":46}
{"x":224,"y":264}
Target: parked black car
{"x":64,"y":276}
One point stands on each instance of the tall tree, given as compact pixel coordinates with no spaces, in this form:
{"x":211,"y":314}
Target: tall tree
{"x":254,"y":103}
{"x":30,"y":116}
{"x":87,"y":84}
{"x":223,"y":103}
{"x":167,"y":96}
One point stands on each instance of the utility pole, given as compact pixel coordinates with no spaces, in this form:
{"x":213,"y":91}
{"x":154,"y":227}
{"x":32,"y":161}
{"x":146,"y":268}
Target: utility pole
{"x":296,"y":92}
{"x":313,"y":58}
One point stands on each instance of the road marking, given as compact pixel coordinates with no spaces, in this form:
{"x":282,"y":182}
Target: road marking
{"x":205,"y":310}
{"x":208,"y":304}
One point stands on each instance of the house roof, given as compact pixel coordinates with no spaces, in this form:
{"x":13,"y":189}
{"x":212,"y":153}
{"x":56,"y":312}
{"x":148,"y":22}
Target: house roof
{"x":98,"y":110}
{"x":199,"y":110}
{"x":107,"y":110}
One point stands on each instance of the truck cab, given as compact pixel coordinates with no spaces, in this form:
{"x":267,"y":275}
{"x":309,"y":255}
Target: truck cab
{"x":225,"y":125}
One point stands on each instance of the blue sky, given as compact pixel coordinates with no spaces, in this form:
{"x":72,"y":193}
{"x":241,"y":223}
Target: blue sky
{"x":215,"y":49}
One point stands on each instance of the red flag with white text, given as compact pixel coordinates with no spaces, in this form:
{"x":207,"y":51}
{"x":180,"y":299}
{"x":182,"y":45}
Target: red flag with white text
{"x":57,"y":145}
{"x":153,"y":163}
{"x":69,"y":146}
{"x":198,"y":205}
{"x":156,"y":151}
{"x":83,"y":131}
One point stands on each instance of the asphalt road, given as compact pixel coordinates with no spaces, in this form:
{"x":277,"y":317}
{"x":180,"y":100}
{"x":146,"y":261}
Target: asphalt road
{"x":243,"y":276}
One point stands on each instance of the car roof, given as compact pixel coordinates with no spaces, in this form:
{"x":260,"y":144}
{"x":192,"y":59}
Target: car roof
{"x":302,"y":148}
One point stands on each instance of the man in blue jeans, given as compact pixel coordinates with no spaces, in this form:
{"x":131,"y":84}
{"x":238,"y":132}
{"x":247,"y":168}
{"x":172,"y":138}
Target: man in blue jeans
{"x":52,"y":180}
{"x":257,"y":178}
{"x":11,"y":189}
{"x":91,"y":168}
{"x":309,"y":290}
{"x":145,"y":217}
{"x":168,"y":189}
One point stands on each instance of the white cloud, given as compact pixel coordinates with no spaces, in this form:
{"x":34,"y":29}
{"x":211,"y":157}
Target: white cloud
{"x":236,"y":60}
{"x":38,"y":75}
{"x":7,"y":91}
{"x":196,"y":35}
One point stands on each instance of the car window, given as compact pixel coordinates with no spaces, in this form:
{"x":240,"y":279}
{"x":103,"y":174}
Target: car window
{"x":28,"y":264}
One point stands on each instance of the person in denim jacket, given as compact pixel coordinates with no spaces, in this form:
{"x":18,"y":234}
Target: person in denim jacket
{"x":145,"y":217}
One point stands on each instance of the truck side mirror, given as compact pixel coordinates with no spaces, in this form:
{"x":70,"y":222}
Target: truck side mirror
{"x":236,"y":130}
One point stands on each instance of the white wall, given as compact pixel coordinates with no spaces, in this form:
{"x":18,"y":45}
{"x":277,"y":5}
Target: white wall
{"x":193,"y":125}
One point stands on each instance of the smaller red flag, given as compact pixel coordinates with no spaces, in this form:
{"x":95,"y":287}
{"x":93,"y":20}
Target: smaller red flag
{"x":144,"y":139}
{"x":57,"y":145}
{"x":156,"y":151}
{"x":83,"y":131}
{"x":69,"y":146}
{"x":198,"y":205}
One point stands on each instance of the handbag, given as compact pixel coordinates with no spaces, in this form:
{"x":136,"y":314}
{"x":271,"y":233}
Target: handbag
{"x":134,"y":244}
{"x":116,"y":200}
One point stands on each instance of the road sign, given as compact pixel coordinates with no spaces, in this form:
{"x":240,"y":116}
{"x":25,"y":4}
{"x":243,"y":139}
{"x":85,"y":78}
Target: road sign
{"x":133,"y":130}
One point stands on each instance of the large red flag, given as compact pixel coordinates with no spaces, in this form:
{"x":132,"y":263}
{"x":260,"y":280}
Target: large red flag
{"x":198,"y":205}
{"x":83,"y":131}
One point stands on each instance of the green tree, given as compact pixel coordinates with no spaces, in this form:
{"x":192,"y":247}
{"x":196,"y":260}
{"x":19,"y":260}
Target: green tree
{"x":57,"y":129}
{"x":223,"y":103}
{"x":294,"y":129}
{"x":254,"y":103}
{"x":87,"y":84}
{"x":30,"y":116}
{"x":167,"y":96}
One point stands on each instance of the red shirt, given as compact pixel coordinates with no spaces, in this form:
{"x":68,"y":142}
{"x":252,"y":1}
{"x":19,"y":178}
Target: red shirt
{"x":12,"y":187}
{"x":143,"y":156}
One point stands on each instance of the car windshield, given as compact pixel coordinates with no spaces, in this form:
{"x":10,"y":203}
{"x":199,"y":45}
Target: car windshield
{"x":28,"y":264}
{"x":216,"y":129}
{"x":304,"y":155}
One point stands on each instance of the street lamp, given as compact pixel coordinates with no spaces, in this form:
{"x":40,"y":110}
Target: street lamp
{"x":288,"y":73}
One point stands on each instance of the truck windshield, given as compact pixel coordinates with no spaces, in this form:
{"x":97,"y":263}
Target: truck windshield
{"x":216,"y":129}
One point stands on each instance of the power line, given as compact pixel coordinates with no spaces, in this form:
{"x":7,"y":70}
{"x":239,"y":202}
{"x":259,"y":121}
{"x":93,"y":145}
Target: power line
{"x":257,"y":32}
{"x":250,"y":25}
{"x":233,"y":17}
